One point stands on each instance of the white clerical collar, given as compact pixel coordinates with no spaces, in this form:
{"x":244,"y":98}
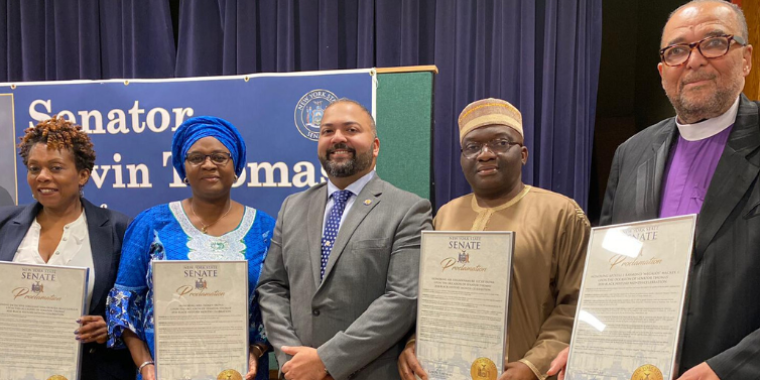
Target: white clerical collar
{"x":709,"y":127}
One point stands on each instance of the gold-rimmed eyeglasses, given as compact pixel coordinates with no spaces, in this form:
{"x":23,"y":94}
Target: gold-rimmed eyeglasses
{"x":710,"y":47}
{"x":472,"y":149}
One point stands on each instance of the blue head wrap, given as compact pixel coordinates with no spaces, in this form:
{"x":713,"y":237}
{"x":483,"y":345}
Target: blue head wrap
{"x":197,"y":128}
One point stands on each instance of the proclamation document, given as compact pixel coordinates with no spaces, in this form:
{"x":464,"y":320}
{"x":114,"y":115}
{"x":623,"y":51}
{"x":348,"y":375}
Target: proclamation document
{"x":39,"y":309}
{"x":462,"y":310}
{"x":200,"y":311}
{"x":628,"y":324}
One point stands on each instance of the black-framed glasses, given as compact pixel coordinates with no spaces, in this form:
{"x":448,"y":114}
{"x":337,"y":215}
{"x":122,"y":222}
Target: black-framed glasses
{"x":217,"y":158}
{"x":710,"y":47}
{"x":472,"y":149}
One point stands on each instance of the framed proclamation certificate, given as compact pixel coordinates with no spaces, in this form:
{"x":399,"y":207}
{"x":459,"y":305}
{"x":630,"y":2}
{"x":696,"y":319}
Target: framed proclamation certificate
{"x":39,"y":309}
{"x":462,"y":310}
{"x":200,"y":311}
{"x":628,"y":322}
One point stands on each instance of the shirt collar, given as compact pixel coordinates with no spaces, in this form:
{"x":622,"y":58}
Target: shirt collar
{"x":709,"y":127}
{"x":78,"y":227}
{"x":355,"y":188}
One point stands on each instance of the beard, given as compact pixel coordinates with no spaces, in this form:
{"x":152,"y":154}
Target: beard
{"x":691,"y":110}
{"x":357,"y":164}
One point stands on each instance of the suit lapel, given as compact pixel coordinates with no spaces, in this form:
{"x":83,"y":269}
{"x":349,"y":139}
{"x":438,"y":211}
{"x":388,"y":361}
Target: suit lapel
{"x":650,"y":172}
{"x":314,"y":221}
{"x":360,"y":209}
{"x":735,"y":172}
{"x":15,"y":231}
{"x":101,"y":244}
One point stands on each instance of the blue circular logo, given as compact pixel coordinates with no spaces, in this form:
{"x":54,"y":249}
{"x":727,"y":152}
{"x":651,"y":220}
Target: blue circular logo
{"x":309,"y":112}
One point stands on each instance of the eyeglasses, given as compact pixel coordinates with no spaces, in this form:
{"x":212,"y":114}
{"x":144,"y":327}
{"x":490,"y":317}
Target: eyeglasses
{"x":472,"y":150}
{"x":710,"y":47}
{"x":217,"y":158}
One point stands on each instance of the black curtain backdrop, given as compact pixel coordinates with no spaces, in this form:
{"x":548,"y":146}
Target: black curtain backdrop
{"x":541,"y":55}
{"x":85,"y":39}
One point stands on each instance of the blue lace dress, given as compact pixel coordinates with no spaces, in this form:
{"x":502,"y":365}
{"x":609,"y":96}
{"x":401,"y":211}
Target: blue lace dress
{"x":164,"y":232}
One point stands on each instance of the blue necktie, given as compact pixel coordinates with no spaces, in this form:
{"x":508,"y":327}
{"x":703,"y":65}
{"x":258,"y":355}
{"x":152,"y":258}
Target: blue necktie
{"x":340,"y":198}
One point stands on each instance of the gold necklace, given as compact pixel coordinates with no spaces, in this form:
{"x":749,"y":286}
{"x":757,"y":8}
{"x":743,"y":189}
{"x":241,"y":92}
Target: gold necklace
{"x":206,"y":226}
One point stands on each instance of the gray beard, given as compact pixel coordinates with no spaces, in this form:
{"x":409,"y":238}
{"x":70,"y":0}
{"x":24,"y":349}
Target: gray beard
{"x":690,"y":113}
{"x":359,"y":163}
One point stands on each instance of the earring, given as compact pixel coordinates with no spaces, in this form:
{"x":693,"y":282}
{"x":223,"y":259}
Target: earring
{"x":81,"y":191}
{"x":236,"y":178}
{"x":186,"y":181}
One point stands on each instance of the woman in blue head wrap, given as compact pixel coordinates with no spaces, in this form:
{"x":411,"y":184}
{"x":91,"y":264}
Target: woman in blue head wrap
{"x":209,"y":154}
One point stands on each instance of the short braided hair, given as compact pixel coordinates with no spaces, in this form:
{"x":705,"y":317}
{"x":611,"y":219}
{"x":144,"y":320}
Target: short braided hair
{"x":58,"y":133}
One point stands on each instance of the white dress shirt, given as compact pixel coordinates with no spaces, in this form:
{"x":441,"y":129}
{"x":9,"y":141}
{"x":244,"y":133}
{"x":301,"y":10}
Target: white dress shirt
{"x":73,"y":250}
{"x":355,"y":188}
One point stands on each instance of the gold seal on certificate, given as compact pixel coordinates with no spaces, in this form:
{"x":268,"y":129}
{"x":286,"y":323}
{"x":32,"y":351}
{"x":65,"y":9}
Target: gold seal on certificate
{"x":634,"y":283}
{"x":229,"y":374}
{"x":647,"y":372}
{"x":483,"y":369}
{"x":56,"y":377}
{"x":200,"y":313}
{"x":463,"y":303}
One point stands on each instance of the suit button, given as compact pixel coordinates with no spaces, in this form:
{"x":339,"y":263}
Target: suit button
{"x":315,"y":312}
{"x":92,"y":350}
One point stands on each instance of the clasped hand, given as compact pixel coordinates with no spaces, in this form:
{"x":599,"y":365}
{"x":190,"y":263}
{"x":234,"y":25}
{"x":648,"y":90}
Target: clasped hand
{"x":305,"y":364}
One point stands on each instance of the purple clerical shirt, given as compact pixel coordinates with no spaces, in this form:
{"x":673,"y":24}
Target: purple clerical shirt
{"x":690,"y":169}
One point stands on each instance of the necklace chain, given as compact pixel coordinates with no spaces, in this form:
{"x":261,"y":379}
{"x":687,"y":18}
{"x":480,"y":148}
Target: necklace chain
{"x":207,"y":226}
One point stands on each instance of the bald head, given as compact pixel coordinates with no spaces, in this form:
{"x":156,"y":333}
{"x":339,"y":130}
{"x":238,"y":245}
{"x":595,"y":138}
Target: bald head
{"x":361,"y":106}
{"x":732,"y":11}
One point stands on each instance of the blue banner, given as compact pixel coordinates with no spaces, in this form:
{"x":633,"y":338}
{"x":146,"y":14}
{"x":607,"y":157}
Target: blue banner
{"x":131,"y":125}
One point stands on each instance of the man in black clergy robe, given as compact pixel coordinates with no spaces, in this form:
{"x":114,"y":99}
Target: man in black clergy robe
{"x":704,"y":160}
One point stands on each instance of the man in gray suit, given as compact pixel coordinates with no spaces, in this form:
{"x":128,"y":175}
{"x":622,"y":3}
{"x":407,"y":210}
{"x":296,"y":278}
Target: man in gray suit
{"x":705,"y":160}
{"x":338,"y":292}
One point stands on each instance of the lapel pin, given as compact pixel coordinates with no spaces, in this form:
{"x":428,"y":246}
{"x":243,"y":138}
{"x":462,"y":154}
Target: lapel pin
{"x":367,"y":202}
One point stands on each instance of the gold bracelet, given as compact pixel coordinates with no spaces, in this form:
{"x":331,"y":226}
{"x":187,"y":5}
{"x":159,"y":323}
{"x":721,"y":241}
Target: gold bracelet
{"x":260,"y":351}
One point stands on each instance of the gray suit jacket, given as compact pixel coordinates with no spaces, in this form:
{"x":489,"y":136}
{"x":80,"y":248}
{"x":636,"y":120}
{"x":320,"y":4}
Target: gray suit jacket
{"x":722,"y":324}
{"x":359,"y":315}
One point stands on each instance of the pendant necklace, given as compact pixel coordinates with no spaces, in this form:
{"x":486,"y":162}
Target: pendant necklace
{"x":207,"y":226}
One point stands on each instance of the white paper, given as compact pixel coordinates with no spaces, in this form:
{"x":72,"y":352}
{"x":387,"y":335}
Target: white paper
{"x":201,"y":318}
{"x":632,"y":301}
{"x":462,"y":315}
{"x":39,"y":309}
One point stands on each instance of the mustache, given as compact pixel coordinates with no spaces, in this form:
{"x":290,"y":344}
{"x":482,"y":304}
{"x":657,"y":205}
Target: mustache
{"x":341,"y":146}
{"x":696,"y":78}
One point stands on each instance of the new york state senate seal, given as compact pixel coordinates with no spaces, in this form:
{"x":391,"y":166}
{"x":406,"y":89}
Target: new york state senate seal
{"x":229,"y":374}
{"x":309,"y":112}
{"x":647,"y":372}
{"x":483,"y":369}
